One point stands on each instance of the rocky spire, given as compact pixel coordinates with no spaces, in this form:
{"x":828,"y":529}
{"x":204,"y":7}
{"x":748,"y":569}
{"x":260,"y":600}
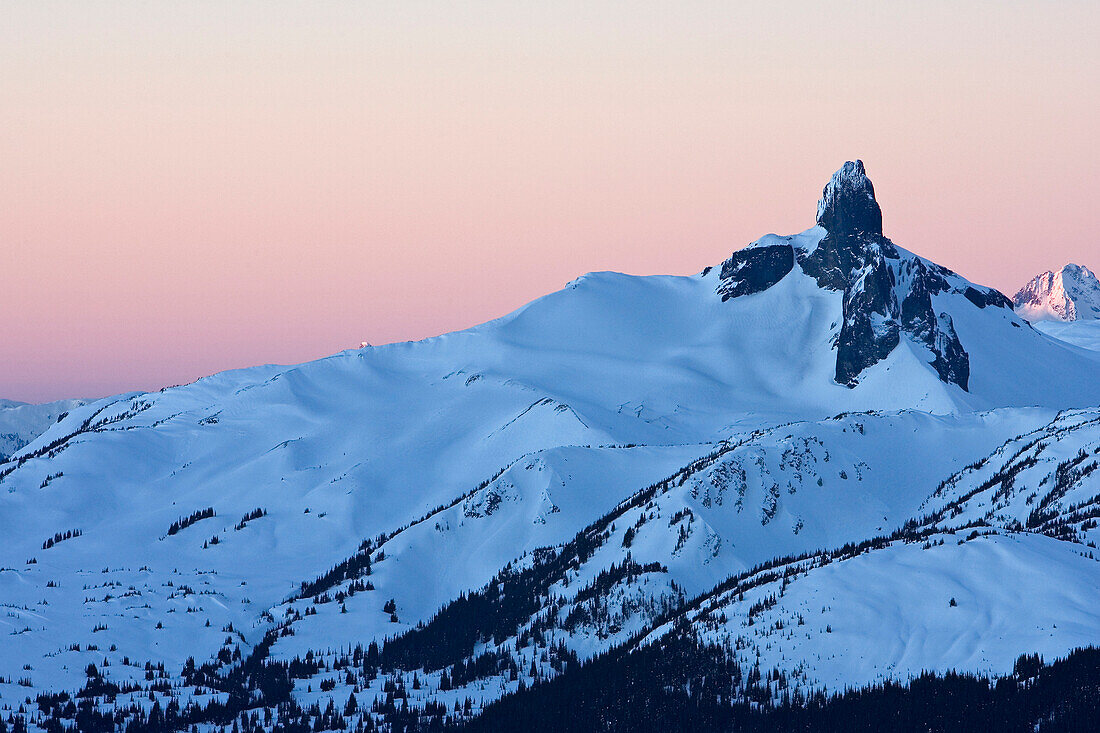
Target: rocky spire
{"x":855,"y":257}
{"x":888,"y":294}
{"x":848,"y":204}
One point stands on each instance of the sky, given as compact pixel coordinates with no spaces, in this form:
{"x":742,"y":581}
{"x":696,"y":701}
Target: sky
{"x":191,"y":187}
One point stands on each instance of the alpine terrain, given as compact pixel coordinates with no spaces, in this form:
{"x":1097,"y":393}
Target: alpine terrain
{"x":20,"y":423}
{"x":670,"y":502}
{"x":1065,"y":305}
{"x":1071,"y":294}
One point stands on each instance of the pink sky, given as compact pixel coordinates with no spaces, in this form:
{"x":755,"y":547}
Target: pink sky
{"x":188,"y":187}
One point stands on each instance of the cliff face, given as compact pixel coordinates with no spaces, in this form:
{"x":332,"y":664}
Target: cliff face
{"x":1071,"y":294}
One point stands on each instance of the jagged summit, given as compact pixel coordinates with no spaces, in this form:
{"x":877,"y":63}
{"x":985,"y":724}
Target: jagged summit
{"x":1071,"y":294}
{"x":888,"y":291}
{"x":848,"y":204}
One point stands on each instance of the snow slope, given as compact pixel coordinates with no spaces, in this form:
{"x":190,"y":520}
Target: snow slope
{"x":787,"y":489}
{"x":1085,"y":334}
{"x":888,"y":613}
{"x":1009,"y":538}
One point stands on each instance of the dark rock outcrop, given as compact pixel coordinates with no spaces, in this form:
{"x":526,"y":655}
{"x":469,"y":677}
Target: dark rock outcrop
{"x":988,"y":298}
{"x":754,"y":269}
{"x":848,"y":205}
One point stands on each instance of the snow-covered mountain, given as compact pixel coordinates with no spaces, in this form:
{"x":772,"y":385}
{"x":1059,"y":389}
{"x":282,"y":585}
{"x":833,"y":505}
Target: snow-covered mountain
{"x":20,"y":422}
{"x":459,"y":517}
{"x":889,"y":294}
{"x":1063,"y":304}
{"x":1071,"y":294}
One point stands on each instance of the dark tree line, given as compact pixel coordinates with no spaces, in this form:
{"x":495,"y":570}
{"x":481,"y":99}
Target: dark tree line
{"x":679,"y":684}
{"x":60,"y":537}
{"x":254,"y":514}
{"x":185,"y":522}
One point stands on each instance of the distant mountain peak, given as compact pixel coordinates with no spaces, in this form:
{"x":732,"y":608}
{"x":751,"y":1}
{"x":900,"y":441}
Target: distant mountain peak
{"x":21,"y":423}
{"x":1071,"y":294}
{"x":848,"y":204}
{"x":888,"y":292}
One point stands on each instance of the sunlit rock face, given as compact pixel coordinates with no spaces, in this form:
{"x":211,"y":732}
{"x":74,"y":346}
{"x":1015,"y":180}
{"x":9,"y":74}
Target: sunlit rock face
{"x":1071,"y":294}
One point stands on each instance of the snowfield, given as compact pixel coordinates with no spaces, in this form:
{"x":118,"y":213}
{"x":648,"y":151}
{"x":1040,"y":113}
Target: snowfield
{"x":1085,"y":334}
